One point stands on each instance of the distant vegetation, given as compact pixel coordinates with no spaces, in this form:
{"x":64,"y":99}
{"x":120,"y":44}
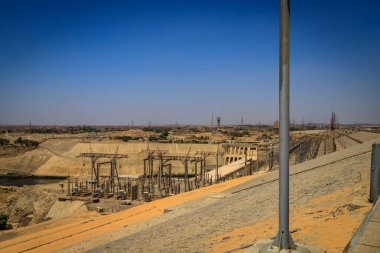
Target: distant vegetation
{"x":164,"y":134}
{"x":63,"y":130}
{"x":26,"y":142}
{"x":58,"y":130}
{"x":163,"y":131}
{"x":3,"y":222}
{"x":128,"y":138}
{"x":195,"y":130}
{"x":82,"y":129}
{"x":153,"y":138}
{"x":239,"y":133}
{"x":156,"y":129}
{"x":4,"y":142}
{"x":43,"y":131}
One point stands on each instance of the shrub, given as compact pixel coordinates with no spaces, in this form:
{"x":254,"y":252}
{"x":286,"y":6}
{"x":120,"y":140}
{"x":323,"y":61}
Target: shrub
{"x":128,"y":138}
{"x":26,"y":142}
{"x":236,"y":134}
{"x":3,"y":221}
{"x":164,"y":135}
{"x":153,"y":138}
{"x":3,"y":142}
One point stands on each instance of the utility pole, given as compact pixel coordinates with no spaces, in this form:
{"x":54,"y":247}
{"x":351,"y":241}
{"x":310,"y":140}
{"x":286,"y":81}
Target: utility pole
{"x":257,"y":158}
{"x":160,"y":169}
{"x":283,"y":242}
{"x":217,"y":165}
{"x":283,"y":239}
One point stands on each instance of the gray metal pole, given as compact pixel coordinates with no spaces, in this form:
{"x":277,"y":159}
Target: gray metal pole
{"x":160,"y":168}
{"x":204,"y":170}
{"x":375,"y":173}
{"x":217,"y":165}
{"x":283,"y":239}
{"x":257,"y":157}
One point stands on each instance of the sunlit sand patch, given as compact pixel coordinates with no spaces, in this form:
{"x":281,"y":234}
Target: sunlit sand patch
{"x":327,"y":222}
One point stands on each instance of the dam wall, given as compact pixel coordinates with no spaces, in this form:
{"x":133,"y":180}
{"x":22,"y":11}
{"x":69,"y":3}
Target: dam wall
{"x":62,"y":157}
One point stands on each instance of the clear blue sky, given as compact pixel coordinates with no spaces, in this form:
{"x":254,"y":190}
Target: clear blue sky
{"x":111,"y":62}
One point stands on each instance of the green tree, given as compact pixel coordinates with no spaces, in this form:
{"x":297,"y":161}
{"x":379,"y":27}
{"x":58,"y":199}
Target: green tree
{"x":3,"y":221}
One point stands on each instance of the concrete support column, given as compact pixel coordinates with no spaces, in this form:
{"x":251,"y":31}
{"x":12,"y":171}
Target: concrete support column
{"x":375,"y":173}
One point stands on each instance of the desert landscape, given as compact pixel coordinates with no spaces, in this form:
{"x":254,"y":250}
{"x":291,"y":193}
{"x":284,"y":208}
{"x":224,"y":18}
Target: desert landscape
{"x":48,"y":211}
{"x":170,"y":126}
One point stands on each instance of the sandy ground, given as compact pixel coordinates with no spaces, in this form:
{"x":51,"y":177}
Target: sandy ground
{"x":326,"y":222}
{"x":328,"y":203}
{"x":71,"y":233}
{"x":253,"y":206}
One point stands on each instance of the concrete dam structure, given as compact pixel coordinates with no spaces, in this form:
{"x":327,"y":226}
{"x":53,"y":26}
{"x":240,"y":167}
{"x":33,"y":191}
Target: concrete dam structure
{"x":62,"y":157}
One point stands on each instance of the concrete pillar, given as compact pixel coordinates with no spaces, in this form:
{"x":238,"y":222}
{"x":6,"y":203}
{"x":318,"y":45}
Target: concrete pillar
{"x":375,"y":173}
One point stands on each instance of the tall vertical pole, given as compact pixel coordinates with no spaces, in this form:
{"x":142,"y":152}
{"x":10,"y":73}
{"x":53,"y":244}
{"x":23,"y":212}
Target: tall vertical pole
{"x":196,"y":173}
{"x":151,"y":186}
{"x":144,"y":177}
{"x":68,"y":186}
{"x":160,"y":168}
{"x":170,"y":177}
{"x":283,"y":239}
{"x":245,"y":162}
{"x":217,"y":165}
{"x":98,"y":175}
{"x":201,"y":171}
{"x":93,"y":160}
{"x":186,"y":186}
{"x":204,"y":170}
{"x":257,"y":157}
{"x":149,"y":175}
